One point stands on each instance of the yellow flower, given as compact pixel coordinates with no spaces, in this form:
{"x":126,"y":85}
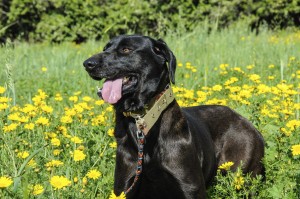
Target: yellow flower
{"x":66,"y":119}
{"x":249,"y":67}
{"x":75,"y":179}
{"x":78,"y":155}
{"x":84,"y":181}
{"x":42,"y":121}
{"x":113,"y":145}
{"x":44,"y":69}
{"x":51,"y":134}
{"x":233,"y":89}
{"x":231,"y":81}
{"x":5,"y":182}
{"x":285,"y":131}
{"x":4,"y":99}
{"x":30,"y":110}
{"x":58,"y":97}
{"x":93,"y":174}
{"x":47,"y":109}
{"x":42,"y":94}
{"x":2,"y":89}
{"x":217,"y":101}
{"x":38,"y":101}
{"x":121,"y":196}
{"x":296,"y":149}
{"x":109,"y":109}
{"x":255,"y":78}
{"x":238,"y":181}
{"x":56,"y":152}
{"x":111,"y":132}
{"x":17,"y":117}
{"x":10,"y":128}
{"x":226,"y":166}
{"x":79,"y":108}
{"x":62,"y":129}
{"x":76,"y":140}
{"x":55,"y":142}
{"x":23,"y":154}
{"x":32,"y":163}
{"x":201,"y":96}
{"x":217,"y":88}
{"x":98,"y":120}
{"x":29,"y":126}
{"x":37,"y":189}
{"x":14,"y":116}
{"x":59,"y":182}
{"x":73,"y":99}
{"x":99,"y":102}
{"x":54,"y":163}
{"x":3,"y":106}
{"x":292,"y":58}
{"x":238,"y":69}
{"x":86,"y":98}
{"x":189,"y":94}
{"x":293,"y":124}
{"x":262,"y":88}
{"x":71,"y":112}
{"x":77,"y":93}
{"x":223,"y":66}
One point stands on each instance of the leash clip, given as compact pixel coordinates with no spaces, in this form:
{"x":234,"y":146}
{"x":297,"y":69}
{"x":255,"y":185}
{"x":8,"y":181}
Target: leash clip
{"x":140,"y":123}
{"x":139,"y":134}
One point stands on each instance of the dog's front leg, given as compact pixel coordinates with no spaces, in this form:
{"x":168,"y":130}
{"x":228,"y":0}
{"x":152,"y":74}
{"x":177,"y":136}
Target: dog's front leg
{"x":183,"y":163}
{"x":125,"y":168}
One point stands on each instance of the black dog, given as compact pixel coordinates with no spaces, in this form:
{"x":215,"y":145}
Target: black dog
{"x":174,"y":152}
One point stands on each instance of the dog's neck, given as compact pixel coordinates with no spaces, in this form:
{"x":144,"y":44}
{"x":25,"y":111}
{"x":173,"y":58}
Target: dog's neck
{"x":146,"y":118}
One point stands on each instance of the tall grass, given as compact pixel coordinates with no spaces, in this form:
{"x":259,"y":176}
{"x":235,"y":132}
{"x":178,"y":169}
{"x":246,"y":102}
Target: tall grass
{"x":206,"y":63}
{"x":235,"y":46}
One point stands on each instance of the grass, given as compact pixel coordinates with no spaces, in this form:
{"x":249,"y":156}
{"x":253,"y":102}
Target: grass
{"x":53,"y":126}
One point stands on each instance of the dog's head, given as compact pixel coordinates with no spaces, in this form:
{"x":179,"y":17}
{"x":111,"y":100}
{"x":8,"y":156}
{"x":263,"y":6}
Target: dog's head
{"x":135,"y":69}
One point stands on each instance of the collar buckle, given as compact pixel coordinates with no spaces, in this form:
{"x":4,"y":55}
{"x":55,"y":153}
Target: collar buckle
{"x":144,"y":122}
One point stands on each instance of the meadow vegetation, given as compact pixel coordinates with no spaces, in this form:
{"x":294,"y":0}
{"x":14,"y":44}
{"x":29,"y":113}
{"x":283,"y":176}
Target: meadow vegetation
{"x":56,"y":135}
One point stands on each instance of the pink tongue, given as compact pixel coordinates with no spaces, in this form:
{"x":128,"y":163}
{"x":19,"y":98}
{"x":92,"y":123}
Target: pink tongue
{"x":112,"y":91}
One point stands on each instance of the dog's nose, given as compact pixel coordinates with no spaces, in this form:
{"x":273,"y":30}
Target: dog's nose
{"x":90,"y":64}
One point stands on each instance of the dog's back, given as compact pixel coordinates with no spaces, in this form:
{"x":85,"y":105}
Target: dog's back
{"x":235,"y":138}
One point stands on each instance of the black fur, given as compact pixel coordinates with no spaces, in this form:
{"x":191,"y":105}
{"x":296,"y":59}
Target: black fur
{"x":186,"y":145}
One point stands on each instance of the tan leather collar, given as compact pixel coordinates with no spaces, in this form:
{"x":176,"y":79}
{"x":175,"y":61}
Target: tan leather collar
{"x":145,"y":121}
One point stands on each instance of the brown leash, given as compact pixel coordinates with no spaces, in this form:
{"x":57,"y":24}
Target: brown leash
{"x":141,"y":142}
{"x":144,"y":123}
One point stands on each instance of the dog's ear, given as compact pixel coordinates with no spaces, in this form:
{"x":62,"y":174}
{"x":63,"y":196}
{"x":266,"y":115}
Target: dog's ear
{"x":161,"y":48}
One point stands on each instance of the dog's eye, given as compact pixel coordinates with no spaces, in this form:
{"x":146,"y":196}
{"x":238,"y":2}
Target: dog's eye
{"x":156,"y":49}
{"x":126,"y":50}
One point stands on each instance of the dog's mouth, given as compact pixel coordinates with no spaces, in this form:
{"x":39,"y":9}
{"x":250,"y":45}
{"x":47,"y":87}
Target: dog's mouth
{"x":113,"y":89}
